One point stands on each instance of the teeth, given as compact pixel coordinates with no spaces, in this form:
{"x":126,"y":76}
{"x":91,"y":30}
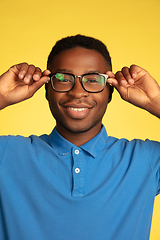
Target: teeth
{"x":77,"y":109}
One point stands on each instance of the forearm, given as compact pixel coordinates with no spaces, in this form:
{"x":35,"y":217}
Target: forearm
{"x":154,"y":107}
{"x":3,"y":103}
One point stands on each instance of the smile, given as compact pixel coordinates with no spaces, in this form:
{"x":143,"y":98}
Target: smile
{"x":75,"y":112}
{"x":78,"y":109}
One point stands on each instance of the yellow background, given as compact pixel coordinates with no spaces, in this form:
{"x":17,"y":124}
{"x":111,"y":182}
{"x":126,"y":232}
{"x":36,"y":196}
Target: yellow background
{"x":130,"y":29}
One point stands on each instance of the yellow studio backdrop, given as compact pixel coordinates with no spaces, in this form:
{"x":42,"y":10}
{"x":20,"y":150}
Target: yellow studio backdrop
{"x":131,"y":31}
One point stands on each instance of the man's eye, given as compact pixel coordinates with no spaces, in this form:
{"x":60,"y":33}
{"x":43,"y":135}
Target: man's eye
{"x":59,"y":76}
{"x":91,"y":80}
{"x":63,"y":78}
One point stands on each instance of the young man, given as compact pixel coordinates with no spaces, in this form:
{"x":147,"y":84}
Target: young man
{"x":78,"y":183}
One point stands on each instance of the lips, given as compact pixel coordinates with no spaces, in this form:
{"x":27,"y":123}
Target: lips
{"x":77,"y":111}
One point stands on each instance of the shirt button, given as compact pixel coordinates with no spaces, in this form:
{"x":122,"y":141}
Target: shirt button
{"x":77,"y":170}
{"x":76,"y":151}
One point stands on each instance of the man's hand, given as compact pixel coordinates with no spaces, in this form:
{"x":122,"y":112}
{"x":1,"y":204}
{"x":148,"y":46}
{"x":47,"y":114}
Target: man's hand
{"x":20,"y":82}
{"x":138,"y":87}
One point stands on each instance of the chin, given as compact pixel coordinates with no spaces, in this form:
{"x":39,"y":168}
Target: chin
{"x":79,"y":127}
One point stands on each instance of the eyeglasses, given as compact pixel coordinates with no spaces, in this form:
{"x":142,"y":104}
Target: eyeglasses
{"x":91,"y":82}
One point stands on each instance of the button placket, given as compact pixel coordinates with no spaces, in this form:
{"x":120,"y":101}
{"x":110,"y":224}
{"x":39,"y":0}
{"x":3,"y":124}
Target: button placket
{"x":77,"y":171}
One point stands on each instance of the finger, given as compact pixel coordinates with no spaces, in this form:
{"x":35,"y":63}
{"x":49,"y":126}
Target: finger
{"x":46,"y":72}
{"x":122,"y":80}
{"x":29,"y":74}
{"x":20,"y":69}
{"x":127,"y":75}
{"x":37,"y":74}
{"x":110,"y":74}
{"x":111,"y":77}
{"x":135,"y":70}
{"x":37,"y":85}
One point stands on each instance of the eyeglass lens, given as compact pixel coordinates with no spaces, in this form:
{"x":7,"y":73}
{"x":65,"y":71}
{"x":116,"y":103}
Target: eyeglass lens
{"x":64,"y":82}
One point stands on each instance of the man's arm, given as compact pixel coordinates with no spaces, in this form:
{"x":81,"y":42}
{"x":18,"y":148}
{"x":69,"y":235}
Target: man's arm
{"x":138,"y":87}
{"x":20,"y":82}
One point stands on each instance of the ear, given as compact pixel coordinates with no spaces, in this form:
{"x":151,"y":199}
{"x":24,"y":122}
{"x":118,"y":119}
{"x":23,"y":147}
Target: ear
{"x":46,"y":90}
{"x":111,"y":89}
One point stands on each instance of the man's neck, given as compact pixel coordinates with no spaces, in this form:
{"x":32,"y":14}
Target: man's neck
{"x":79,"y":138}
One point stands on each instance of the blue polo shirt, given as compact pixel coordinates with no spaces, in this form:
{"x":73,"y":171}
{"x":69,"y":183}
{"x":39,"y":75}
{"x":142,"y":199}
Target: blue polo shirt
{"x":51,"y":189}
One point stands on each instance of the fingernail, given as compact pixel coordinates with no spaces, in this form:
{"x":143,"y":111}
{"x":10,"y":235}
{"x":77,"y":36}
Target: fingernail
{"x":109,"y":80}
{"x":27,"y":79}
{"x":21,"y":75}
{"x":47,"y":80}
{"x":123,"y":82}
{"x":133,"y":75}
{"x":131,"y":81}
{"x":36,"y":76}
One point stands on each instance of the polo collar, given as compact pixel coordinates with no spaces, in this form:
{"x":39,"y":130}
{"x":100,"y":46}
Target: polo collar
{"x":64,"y":147}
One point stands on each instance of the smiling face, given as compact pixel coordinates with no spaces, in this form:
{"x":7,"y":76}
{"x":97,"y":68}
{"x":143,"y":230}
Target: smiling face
{"x":78,"y":113}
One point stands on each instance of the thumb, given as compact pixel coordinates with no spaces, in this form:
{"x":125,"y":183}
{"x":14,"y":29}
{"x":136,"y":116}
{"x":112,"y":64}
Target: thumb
{"x":37,"y":85}
{"x":111,"y":79}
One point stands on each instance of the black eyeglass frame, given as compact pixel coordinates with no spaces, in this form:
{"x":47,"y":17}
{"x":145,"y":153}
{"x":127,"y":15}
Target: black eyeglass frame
{"x":75,"y":77}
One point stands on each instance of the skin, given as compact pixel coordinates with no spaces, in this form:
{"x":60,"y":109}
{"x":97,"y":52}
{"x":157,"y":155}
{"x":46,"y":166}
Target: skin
{"x":134,"y":84}
{"x":78,"y":113}
{"x":138,"y":87}
{"x":20,"y":82}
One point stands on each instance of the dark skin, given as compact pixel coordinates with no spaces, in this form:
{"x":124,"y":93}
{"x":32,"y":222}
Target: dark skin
{"x":78,"y":113}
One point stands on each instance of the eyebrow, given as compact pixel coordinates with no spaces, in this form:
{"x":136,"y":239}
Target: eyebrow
{"x":64,"y":70}
{"x":69,"y":71}
{"x":93,"y":71}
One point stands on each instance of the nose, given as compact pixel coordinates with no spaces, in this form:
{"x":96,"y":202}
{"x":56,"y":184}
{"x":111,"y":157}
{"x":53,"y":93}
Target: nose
{"x":78,"y":91}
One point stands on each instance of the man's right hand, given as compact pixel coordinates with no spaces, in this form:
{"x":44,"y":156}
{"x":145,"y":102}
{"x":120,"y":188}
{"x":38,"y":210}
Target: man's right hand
{"x":20,"y":82}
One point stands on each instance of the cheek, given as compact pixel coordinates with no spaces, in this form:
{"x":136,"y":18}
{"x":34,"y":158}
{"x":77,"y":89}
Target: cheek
{"x":103,"y":98}
{"x":53,"y":99}
{"x":103,"y":102}
{"x":103,"y":106}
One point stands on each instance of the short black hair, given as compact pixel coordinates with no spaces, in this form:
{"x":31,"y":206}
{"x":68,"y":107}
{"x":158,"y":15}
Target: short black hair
{"x":79,"y":41}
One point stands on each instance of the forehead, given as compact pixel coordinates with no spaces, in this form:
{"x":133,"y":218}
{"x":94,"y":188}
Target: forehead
{"x":80,"y":60}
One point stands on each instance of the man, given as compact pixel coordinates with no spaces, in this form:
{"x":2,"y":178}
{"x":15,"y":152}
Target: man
{"x":78,"y":183}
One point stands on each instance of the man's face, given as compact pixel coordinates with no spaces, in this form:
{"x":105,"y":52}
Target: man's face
{"x":78,"y":111}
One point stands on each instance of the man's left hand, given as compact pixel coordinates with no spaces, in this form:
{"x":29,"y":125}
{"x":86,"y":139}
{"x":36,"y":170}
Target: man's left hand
{"x":138,"y":87}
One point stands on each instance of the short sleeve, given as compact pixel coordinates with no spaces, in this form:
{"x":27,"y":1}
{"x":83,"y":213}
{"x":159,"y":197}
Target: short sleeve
{"x":3,"y":145}
{"x":152,"y":149}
